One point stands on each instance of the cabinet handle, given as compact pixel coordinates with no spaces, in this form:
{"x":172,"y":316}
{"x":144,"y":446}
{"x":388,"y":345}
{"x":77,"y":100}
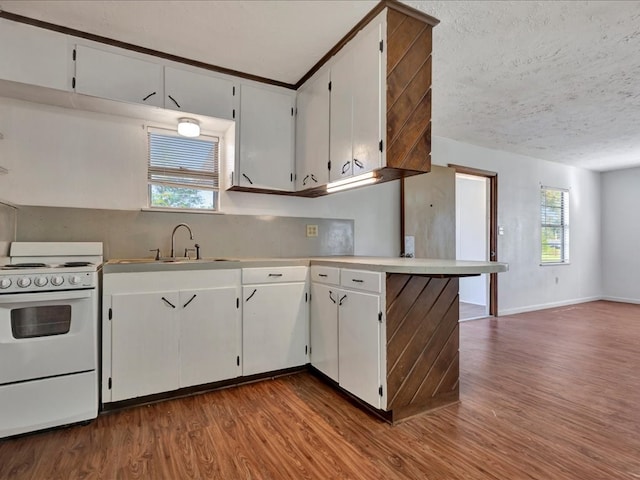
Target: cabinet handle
{"x":314,"y":178}
{"x":357,"y":280}
{"x":189,"y":301}
{"x":248,"y":179}
{"x":252,"y":294}
{"x":330,"y":297}
{"x":342,"y":300}
{"x":358,"y":163}
{"x":304,"y":181}
{"x":168,"y":303}
{"x":275,"y":274}
{"x":148,"y":96}
{"x":323,"y":275}
{"x":345,"y":167}
{"x":174,"y":101}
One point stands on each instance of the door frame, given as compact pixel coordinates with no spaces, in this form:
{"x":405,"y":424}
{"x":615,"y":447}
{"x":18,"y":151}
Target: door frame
{"x":493,"y":227}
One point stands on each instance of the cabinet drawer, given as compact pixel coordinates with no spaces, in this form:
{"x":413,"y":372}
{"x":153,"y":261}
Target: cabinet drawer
{"x":361,"y":280}
{"x":329,"y":275}
{"x":273,"y":275}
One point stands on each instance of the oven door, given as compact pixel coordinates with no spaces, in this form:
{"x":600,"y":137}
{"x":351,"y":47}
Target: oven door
{"x":45,"y":334}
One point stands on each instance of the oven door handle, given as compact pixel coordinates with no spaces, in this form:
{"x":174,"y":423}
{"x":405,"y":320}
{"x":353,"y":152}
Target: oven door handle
{"x":45,"y":296}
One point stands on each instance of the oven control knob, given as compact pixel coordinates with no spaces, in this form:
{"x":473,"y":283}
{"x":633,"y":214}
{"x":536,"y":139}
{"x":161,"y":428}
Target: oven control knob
{"x":24,"y":282}
{"x":57,"y":281}
{"x":5,"y":283}
{"x":75,"y":280}
{"x":41,"y":281}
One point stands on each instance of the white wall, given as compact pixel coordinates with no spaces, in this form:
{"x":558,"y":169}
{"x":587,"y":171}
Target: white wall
{"x":621,"y":235}
{"x":72,"y":158}
{"x":527,"y":285}
{"x":62,"y":157}
{"x":472,"y":231}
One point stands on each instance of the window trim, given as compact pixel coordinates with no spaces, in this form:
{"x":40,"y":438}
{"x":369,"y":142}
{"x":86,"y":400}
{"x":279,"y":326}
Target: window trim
{"x":565,"y":225}
{"x":170,"y":132}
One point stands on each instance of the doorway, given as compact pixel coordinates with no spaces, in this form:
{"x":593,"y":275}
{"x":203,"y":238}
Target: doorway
{"x":476,"y":238}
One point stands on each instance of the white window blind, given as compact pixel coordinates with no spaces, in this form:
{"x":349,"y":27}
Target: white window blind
{"x":554,"y":223}
{"x":183,"y":172}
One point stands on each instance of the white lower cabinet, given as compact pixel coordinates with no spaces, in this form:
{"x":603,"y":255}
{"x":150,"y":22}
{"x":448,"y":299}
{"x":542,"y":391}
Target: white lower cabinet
{"x":324,"y":329}
{"x":359,"y":345}
{"x":348,"y":331}
{"x":209,"y":332}
{"x":144,"y":347}
{"x":275,"y":318}
{"x":184,"y":330}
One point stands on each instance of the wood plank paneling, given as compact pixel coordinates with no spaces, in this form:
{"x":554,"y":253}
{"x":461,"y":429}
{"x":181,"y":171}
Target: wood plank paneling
{"x":401,"y":39}
{"x":408,"y":136}
{"x":544,"y":395}
{"x":416,"y":133}
{"x":422,"y":344}
{"x":399,"y":112}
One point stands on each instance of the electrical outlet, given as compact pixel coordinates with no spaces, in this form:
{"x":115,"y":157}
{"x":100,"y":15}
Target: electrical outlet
{"x":312,"y":230}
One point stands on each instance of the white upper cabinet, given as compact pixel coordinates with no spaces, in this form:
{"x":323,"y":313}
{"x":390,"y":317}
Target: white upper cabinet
{"x":266,"y":139}
{"x":33,"y":55}
{"x":357,"y":117}
{"x":341,"y":121}
{"x":197,"y":93}
{"x":312,"y":132}
{"x":367,"y":98}
{"x":118,"y":77}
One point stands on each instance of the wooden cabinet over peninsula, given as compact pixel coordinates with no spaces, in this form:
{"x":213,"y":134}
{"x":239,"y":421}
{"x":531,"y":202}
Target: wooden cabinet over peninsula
{"x":419,"y":362}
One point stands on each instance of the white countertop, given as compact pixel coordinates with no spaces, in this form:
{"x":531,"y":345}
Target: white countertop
{"x":424,"y":266}
{"x":417,"y":266}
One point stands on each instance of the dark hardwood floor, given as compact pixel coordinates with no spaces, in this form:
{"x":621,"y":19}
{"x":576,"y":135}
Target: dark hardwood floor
{"x":549,"y":395}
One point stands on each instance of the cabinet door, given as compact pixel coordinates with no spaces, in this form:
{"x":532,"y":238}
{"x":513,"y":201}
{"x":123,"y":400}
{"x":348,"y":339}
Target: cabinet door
{"x":312,"y":132}
{"x":274,"y":327}
{"x":324,"y":329}
{"x":340,"y":125}
{"x":209,"y":332}
{"x":266,"y":138}
{"x":359,"y":345}
{"x":144,"y":347}
{"x":196,"y":93}
{"x":118,"y":77}
{"x":367,"y":97}
{"x":33,"y":55}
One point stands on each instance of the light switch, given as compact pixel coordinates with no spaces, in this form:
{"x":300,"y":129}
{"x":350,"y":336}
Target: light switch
{"x":500,"y":230}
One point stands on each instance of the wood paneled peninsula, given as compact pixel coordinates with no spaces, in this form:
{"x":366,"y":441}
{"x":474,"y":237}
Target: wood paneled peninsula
{"x":382,"y":330}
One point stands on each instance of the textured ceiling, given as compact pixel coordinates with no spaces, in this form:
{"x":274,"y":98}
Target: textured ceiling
{"x":553,"y":80}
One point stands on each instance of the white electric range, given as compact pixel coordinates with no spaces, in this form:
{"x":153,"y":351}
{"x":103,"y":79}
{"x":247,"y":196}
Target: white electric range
{"x":48,"y":335}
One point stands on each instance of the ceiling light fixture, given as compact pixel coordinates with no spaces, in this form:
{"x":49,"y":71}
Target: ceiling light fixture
{"x":352,"y":182}
{"x":188,"y":127}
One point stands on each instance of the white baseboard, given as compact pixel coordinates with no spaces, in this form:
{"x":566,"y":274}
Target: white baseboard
{"x":533,"y":308}
{"x":622,"y":300}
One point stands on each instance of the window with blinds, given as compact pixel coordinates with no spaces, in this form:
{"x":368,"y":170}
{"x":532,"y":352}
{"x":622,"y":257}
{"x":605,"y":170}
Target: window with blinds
{"x":183,"y":172}
{"x":554,"y":223}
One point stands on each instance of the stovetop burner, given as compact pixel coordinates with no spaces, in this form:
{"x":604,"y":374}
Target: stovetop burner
{"x":17,"y":266}
{"x":76,"y":264}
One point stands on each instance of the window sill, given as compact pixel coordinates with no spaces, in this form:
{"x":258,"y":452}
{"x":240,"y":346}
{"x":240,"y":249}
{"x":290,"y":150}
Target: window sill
{"x":182,"y":210}
{"x":554,"y":264}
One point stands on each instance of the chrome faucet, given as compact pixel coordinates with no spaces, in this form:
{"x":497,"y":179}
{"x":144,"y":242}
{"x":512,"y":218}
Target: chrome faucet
{"x":173,"y":236}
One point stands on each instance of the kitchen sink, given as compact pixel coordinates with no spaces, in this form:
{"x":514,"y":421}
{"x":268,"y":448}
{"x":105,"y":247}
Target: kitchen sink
{"x":178,"y":260}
